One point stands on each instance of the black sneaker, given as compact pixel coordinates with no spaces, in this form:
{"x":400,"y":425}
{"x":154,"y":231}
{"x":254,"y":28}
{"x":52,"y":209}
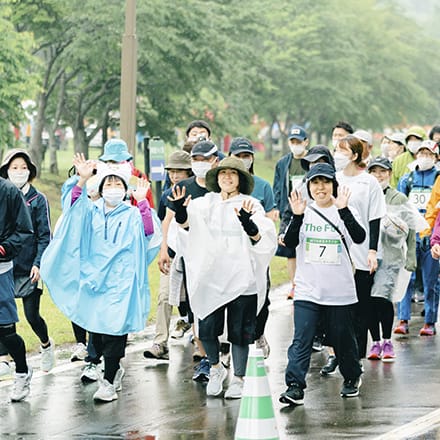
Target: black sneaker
{"x":330,"y":366}
{"x":294,"y":395}
{"x":350,"y":388}
{"x":317,"y":344}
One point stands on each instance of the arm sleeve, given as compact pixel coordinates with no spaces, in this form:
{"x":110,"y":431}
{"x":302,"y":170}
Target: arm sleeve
{"x":291,"y":238}
{"x":374,"y":233}
{"x":22,"y":229}
{"x":402,"y":184}
{"x":431,"y":208}
{"x":356,"y":231}
{"x":276,"y":187}
{"x":435,"y":237}
{"x":76,"y":193}
{"x":42,"y":228}
{"x":147,"y":219}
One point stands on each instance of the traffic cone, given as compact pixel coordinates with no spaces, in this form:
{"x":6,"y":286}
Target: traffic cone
{"x":256,"y":419}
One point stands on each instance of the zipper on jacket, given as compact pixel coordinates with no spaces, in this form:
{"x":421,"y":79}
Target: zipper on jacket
{"x":117,"y":231}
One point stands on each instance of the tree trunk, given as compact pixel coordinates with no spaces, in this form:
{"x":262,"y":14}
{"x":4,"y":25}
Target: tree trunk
{"x":36,"y":148}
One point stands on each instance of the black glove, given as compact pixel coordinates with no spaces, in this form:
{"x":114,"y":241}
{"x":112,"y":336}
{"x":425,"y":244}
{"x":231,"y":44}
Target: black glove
{"x":249,"y":226}
{"x":181,"y":215}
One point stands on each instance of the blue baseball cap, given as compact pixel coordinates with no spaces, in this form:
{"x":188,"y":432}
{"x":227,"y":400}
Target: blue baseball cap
{"x":116,"y":150}
{"x":297,"y":132}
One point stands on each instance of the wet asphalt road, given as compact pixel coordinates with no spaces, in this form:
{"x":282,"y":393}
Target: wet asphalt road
{"x":160,"y":401}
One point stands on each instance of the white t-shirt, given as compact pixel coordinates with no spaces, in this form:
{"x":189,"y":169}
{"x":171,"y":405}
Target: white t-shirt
{"x":324,"y":273}
{"x":368,"y":200}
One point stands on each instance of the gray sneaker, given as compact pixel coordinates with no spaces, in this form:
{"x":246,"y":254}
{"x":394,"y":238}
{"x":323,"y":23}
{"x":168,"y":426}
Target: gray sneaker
{"x":21,"y":386}
{"x":157,"y":351}
{"x":5,"y":371}
{"x":47,"y":361}
{"x":216,"y":378}
{"x":90,"y":373}
{"x":235,"y":389}
{"x":106,"y":392}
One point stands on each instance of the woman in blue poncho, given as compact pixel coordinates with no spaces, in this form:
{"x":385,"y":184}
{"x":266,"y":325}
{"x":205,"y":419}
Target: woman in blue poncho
{"x":96,"y":266}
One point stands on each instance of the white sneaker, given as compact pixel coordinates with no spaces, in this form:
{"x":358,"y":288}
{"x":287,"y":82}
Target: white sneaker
{"x":5,"y":371}
{"x":117,"y":381}
{"x":106,"y":392}
{"x":262,"y":343}
{"x":47,"y":361}
{"x":21,"y":386}
{"x":79,"y":352}
{"x":90,"y":373}
{"x":216,"y":379}
{"x":235,"y":389}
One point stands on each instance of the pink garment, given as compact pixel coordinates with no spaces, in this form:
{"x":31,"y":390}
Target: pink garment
{"x":435,"y":237}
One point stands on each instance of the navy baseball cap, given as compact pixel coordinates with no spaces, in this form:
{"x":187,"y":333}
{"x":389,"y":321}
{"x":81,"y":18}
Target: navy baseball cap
{"x":382,"y":162}
{"x":241,"y":145}
{"x":321,"y":170}
{"x":205,"y":149}
{"x":297,"y":132}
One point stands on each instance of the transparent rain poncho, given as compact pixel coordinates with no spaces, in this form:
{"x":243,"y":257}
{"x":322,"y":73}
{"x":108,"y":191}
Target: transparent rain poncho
{"x":391,"y":279}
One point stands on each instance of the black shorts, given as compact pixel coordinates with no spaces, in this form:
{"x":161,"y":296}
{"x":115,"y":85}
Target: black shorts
{"x":241,"y":320}
{"x":283,"y":251}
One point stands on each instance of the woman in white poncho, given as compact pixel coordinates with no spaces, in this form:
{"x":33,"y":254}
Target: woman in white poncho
{"x":227,"y":243}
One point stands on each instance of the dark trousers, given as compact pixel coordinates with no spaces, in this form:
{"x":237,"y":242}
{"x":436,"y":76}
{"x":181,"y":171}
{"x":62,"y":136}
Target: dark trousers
{"x":112,"y":347}
{"x":364,"y":283}
{"x":31,"y":308}
{"x":339,"y":330}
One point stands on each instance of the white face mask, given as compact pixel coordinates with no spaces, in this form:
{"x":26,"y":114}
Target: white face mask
{"x":200,"y":168}
{"x":19,"y":178}
{"x":335,"y":142}
{"x":425,"y":163}
{"x":113,"y":196}
{"x":247,"y":163}
{"x":413,"y":146}
{"x":297,"y":150}
{"x":341,"y":161}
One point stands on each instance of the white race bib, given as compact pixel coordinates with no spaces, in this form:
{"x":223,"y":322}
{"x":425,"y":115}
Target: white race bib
{"x":323,"y":251}
{"x":419,"y":197}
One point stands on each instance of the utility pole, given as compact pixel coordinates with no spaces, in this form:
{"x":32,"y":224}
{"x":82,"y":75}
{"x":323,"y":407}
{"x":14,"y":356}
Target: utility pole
{"x":128,"y":78}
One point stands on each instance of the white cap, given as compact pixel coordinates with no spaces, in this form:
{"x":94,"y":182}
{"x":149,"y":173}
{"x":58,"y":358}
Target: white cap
{"x":364,"y":135}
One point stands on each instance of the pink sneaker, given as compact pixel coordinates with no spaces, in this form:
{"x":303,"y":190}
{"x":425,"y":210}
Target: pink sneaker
{"x":402,"y":328}
{"x":388,"y":352}
{"x":375,"y":352}
{"x":427,"y":330}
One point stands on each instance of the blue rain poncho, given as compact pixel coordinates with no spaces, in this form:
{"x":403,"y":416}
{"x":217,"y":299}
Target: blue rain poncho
{"x":96,"y":267}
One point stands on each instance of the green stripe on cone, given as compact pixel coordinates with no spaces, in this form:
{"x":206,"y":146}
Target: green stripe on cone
{"x":255,"y":367}
{"x":256,"y":408}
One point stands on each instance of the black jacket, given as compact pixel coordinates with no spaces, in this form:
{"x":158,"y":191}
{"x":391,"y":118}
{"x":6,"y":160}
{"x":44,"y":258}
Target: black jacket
{"x":34,"y":246}
{"x":15,"y":221}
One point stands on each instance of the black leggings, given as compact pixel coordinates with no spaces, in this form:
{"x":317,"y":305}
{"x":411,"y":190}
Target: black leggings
{"x":80,"y":334}
{"x":382,"y":314}
{"x":31,"y":307}
{"x":14,"y":346}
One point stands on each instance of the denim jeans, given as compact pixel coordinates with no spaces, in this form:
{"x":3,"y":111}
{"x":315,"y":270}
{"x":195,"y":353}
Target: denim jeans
{"x":339,"y":331}
{"x":430,"y":275}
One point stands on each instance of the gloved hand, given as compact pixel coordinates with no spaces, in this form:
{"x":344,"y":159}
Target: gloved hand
{"x":249,"y":226}
{"x":410,"y":265}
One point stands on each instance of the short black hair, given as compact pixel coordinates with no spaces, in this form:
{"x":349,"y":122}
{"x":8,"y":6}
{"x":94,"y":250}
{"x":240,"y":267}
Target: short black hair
{"x":345,"y":126}
{"x":198,"y":123}
{"x":101,"y":185}
{"x":434,"y":130}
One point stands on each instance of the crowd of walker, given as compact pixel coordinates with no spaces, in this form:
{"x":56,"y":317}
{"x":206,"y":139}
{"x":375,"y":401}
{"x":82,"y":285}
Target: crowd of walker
{"x":360,"y":232}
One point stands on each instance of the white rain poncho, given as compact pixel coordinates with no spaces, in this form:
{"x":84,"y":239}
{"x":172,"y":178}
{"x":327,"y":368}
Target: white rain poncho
{"x":220,"y":261}
{"x":391,"y":279}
